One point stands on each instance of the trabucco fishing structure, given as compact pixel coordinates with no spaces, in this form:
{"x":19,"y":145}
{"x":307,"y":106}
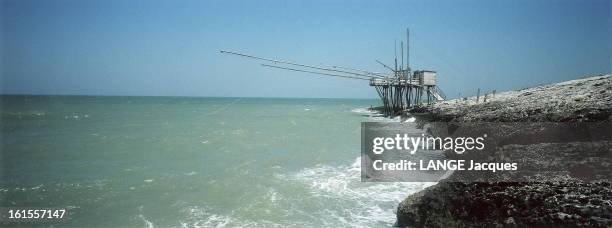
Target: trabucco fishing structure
{"x":400,"y":89}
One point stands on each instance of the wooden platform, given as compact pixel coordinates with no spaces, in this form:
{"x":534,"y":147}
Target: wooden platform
{"x":400,"y":94}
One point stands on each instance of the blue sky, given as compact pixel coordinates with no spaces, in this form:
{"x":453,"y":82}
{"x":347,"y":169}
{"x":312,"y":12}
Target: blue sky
{"x":171,"y":48}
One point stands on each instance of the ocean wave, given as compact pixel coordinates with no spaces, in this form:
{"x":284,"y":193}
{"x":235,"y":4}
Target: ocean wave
{"x":346,"y":181}
{"x":363,"y":111}
{"x":375,"y":202}
{"x":147,"y":223}
{"x":23,"y":115}
{"x":197,"y":217}
{"x":328,"y":196}
{"x":410,"y":120}
{"x":375,"y":116}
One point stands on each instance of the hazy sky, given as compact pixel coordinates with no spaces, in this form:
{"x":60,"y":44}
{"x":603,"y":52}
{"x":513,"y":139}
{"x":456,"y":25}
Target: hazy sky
{"x":171,"y":48}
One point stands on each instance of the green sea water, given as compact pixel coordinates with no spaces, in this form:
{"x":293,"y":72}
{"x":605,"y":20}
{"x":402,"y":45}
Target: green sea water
{"x":192,"y":162}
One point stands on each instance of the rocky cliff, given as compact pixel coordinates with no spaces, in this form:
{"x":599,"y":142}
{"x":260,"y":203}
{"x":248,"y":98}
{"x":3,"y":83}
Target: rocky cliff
{"x":557,"y":201}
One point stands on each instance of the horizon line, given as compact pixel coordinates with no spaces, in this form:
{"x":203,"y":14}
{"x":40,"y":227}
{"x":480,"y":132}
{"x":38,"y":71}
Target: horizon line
{"x":180,"y":96}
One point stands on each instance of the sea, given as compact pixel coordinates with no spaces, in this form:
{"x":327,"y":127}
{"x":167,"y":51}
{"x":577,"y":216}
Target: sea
{"x":115,"y":161}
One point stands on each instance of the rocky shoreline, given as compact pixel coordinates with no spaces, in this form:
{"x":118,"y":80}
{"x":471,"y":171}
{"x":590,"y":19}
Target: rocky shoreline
{"x":559,"y":201}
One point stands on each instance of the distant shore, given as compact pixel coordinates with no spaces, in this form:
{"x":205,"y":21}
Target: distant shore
{"x":555,"y":202}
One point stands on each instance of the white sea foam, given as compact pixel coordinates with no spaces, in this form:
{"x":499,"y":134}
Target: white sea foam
{"x":375,"y":116}
{"x":148,"y":224}
{"x":375,"y":201}
{"x":346,"y":181}
{"x":364,"y":111}
{"x":410,"y":120}
{"x":337,"y":193}
{"x":203,"y":217}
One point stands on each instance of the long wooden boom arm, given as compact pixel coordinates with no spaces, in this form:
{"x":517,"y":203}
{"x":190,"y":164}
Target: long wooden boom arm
{"x":368,"y":76}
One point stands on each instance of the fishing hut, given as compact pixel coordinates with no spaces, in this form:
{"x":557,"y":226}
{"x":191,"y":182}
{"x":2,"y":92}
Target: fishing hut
{"x":399,"y":90}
